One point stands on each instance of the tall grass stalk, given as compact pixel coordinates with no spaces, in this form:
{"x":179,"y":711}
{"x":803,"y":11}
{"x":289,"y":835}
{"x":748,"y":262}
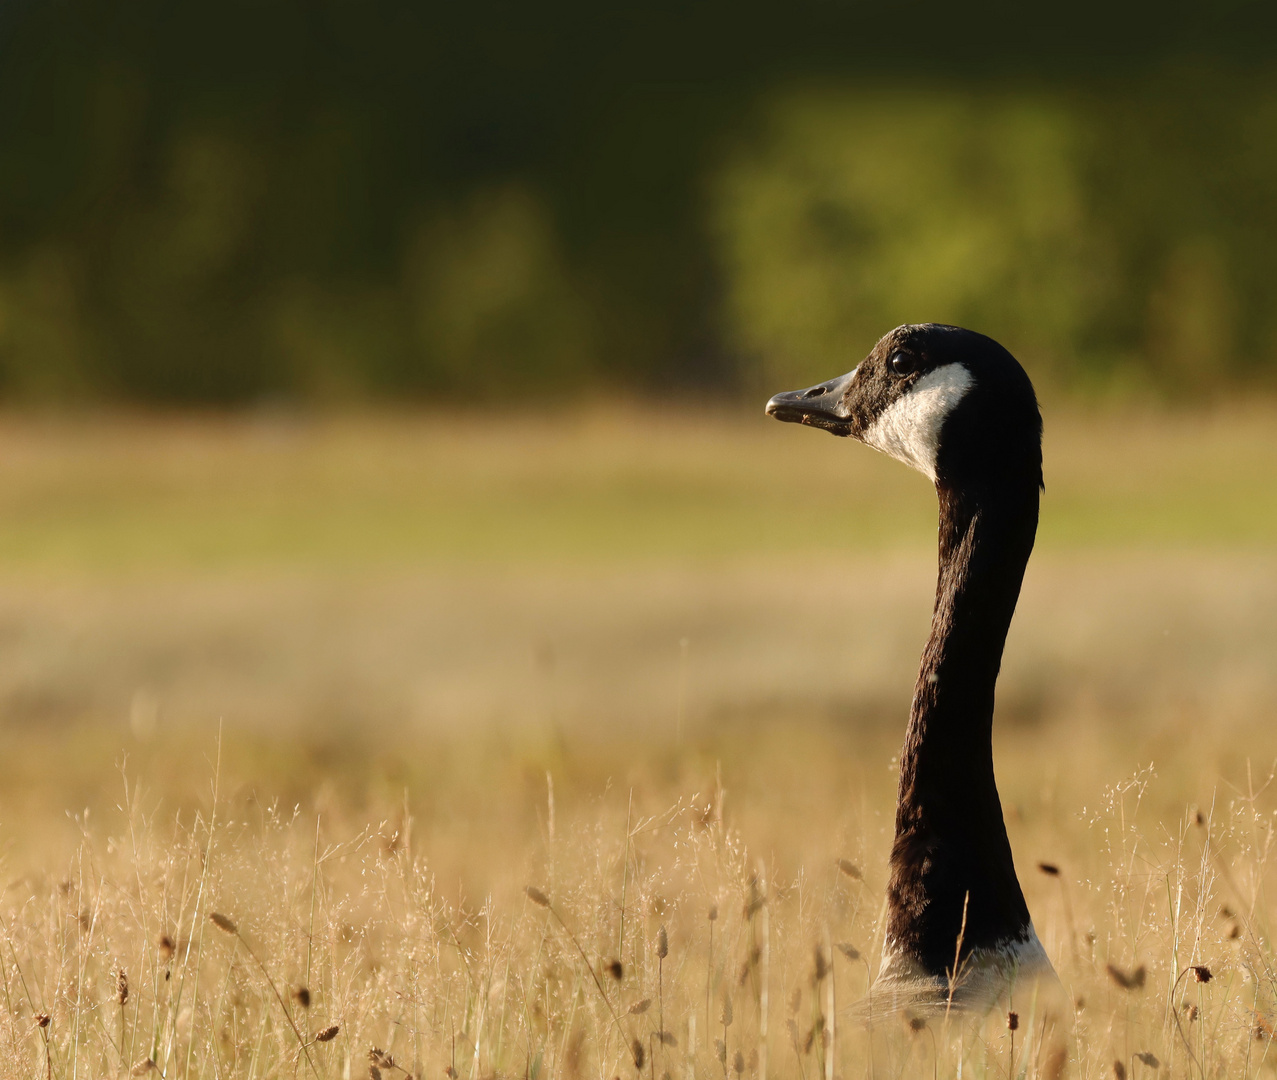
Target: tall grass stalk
{"x":445,"y":986}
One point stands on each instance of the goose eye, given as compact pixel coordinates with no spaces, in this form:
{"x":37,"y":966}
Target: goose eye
{"x":903,"y":363}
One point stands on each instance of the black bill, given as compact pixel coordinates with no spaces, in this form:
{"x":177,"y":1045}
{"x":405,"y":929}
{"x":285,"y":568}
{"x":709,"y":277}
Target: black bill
{"x":823,"y":406}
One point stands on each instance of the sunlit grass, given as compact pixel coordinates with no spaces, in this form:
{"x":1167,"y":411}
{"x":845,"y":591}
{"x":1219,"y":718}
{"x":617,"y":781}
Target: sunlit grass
{"x":128,"y":493}
{"x":406,"y":915}
{"x":649,"y":664}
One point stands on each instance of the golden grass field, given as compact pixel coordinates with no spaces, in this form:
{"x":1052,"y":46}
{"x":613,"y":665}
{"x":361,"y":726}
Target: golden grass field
{"x":356,"y":683}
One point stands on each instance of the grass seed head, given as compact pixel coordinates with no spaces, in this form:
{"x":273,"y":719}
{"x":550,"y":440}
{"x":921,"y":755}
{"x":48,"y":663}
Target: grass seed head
{"x":848,"y":950}
{"x":1119,"y":1070}
{"x":738,"y":1063}
{"x":166,"y":948}
{"x":1202,"y":973}
{"x":42,"y":1020}
{"x":821,"y":968}
{"x":616,"y":969}
{"x":537,"y":896}
{"x":662,"y":943}
{"x":640,"y":1007}
{"x":1149,"y":1059}
{"x":727,"y":1012}
{"x":121,"y":986}
{"x":1049,"y":869}
{"x":1133,"y":980}
{"x":1013,"y":1021}
{"x":328,"y":1034}
{"x":639,"y":1053}
{"x":223,"y":923}
{"x":302,"y":996}
{"x":713,"y":912}
{"x":850,"y":869}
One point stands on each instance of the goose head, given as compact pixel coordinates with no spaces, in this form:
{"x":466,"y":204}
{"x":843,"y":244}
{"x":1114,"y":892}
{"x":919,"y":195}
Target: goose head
{"x":951,"y":403}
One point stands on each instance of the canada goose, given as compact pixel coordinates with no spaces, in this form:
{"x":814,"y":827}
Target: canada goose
{"x":957,"y":407}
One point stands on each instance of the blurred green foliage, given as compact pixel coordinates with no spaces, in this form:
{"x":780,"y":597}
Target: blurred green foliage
{"x":234,"y":201}
{"x":1102,"y":236}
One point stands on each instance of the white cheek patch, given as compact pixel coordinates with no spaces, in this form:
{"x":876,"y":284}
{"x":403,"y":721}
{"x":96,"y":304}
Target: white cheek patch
{"x":909,"y":428}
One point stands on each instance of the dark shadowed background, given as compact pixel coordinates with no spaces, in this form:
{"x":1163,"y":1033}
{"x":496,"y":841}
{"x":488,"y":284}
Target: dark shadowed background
{"x":231,"y":202}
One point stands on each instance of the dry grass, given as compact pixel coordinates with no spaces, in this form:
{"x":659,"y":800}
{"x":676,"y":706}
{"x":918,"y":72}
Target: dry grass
{"x":248,"y":930}
{"x":1126,"y":637}
{"x":650,"y":668}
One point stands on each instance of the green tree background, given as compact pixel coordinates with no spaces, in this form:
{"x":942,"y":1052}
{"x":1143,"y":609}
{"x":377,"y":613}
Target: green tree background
{"x":335,"y":201}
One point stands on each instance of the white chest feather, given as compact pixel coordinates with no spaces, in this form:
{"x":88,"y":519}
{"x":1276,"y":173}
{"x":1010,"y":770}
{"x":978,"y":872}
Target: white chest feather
{"x":1018,"y":964}
{"x":909,"y":428}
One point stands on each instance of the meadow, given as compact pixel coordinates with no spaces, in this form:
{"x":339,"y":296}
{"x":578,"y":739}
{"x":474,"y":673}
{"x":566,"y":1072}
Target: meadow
{"x":562,"y":744}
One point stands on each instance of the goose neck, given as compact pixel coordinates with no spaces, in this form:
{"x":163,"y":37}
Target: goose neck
{"x":985,"y":544}
{"x":952,"y":870}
